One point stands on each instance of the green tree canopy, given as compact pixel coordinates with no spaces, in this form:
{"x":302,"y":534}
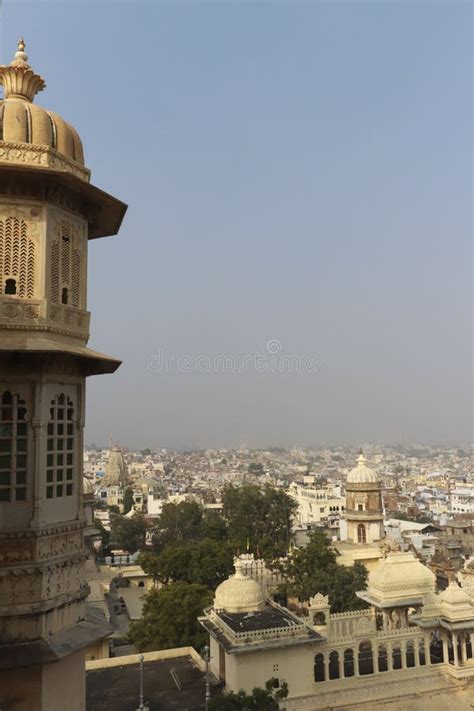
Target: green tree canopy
{"x":104,"y":536}
{"x":128,"y":500}
{"x":128,"y":533}
{"x":315,"y":569}
{"x":205,"y":562}
{"x":178,"y":522}
{"x":267,"y":699}
{"x":170,"y":618}
{"x":261,"y":517}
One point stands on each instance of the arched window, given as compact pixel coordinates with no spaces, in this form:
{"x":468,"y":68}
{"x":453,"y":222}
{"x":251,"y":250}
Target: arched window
{"x":361,"y":533}
{"x":410,"y":653}
{"x":366,"y":663}
{"x":10,"y":287}
{"x":397,"y":656}
{"x":334,"y":665}
{"x":382,"y":658}
{"x":422,"y":652}
{"x":13,"y":447}
{"x":436,"y":650}
{"x":319,"y":674}
{"x":319,"y":618}
{"x":348,"y":662}
{"x":60,"y":455}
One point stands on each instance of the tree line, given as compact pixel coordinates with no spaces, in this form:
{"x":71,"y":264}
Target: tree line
{"x":193,"y":549}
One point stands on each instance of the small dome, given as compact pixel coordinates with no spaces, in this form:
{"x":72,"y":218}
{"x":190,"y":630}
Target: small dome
{"x":399,"y":577}
{"x":21,"y":121}
{"x":239,"y":593}
{"x":454,"y":595}
{"x":362,"y":474}
{"x":456,"y":604}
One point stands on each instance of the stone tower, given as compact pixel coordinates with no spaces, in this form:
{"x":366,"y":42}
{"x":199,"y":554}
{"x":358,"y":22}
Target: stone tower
{"x":364,"y":510}
{"x":48,"y":212}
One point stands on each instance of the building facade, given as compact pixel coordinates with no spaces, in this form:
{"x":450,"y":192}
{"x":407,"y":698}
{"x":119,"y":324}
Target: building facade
{"x":364,"y":508}
{"x":48,"y":212}
{"x":409,"y":643}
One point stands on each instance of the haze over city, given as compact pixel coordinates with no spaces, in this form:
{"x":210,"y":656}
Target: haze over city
{"x":299,"y":180}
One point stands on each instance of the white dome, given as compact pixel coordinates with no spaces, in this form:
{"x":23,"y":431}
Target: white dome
{"x":400,"y":576}
{"x":239,"y":593}
{"x":456,"y":604}
{"x":362,"y":474}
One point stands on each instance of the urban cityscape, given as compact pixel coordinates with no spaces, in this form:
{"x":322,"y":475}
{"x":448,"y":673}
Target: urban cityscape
{"x":140,"y":574}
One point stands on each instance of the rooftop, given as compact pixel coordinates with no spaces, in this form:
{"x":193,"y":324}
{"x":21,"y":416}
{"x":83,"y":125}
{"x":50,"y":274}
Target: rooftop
{"x":117,"y":688}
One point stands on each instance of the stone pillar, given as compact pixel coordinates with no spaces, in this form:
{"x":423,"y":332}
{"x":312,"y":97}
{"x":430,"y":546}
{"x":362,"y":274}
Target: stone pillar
{"x":340,"y":663}
{"x":39,"y":447}
{"x":416,"y":648}
{"x":356,"y":661}
{"x":389,"y":656}
{"x":386,"y":620}
{"x":403,"y":654}
{"x":326,"y":666}
{"x":445,"y":649}
{"x":427,"y":649}
{"x":463,"y":648}
{"x":455,"y":649}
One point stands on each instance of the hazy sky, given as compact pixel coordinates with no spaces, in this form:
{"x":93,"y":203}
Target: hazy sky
{"x":299,"y":182}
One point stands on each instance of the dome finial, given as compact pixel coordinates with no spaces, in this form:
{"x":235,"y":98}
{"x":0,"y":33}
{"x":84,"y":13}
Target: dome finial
{"x":19,"y":81}
{"x":361,"y":459}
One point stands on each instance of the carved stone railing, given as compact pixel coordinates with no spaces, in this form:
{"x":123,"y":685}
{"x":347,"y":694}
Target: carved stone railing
{"x":40,"y":315}
{"x":257,"y":636}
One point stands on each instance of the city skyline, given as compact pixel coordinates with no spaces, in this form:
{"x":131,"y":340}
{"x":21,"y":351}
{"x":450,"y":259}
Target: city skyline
{"x":296,"y":174}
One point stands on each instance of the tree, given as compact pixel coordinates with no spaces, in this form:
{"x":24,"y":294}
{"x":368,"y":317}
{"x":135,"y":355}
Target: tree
{"x":170,"y":618}
{"x":104,"y":536}
{"x":259,"y":516}
{"x":315,"y":569}
{"x":178,"y":522}
{"x":114,"y":509}
{"x":205,"y":562}
{"x":266,"y":699}
{"x":129,"y":533}
{"x":128,"y":500}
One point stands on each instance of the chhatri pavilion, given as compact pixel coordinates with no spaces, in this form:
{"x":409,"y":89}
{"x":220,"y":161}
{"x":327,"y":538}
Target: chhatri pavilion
{"x":411,"y":646}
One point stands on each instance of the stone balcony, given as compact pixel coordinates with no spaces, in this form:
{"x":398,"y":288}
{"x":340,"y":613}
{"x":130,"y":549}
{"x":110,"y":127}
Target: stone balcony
{"x":41,"y":315}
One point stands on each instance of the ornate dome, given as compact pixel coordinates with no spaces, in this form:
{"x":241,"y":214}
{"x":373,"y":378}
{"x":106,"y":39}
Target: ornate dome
{"x":21,"y":121}
{"x":456,"y":604}
{"x":239,"y":593}
{"x":362,"y":474}
{"x":399,"y":577}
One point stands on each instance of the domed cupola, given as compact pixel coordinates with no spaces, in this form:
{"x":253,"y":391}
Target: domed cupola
{"x":22,"y":122}
{"x":362,"y":474}
{"x":364,"y":512}
{"x":401,"y":578}
{"x":239,"y":593}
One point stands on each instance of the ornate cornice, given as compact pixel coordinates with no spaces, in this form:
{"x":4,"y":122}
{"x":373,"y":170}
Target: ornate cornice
{"x":42,"y":157}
